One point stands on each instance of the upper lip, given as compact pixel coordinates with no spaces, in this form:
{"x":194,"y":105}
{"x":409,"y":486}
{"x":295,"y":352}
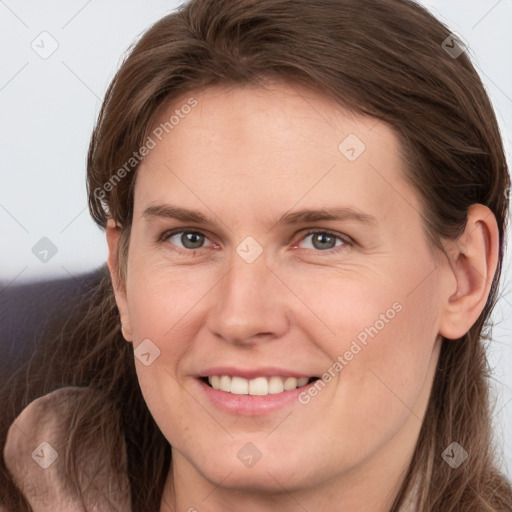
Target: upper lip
{"x":252,"y":373}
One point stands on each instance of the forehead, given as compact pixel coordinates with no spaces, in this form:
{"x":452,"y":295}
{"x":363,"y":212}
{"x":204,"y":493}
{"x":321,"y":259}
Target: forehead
{"x":271,"y":147}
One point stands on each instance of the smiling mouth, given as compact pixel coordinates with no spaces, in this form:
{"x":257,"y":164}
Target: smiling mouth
{"x":259,"y":386}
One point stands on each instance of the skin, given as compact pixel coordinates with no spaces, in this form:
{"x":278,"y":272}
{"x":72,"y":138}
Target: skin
{"x":244,"y":157}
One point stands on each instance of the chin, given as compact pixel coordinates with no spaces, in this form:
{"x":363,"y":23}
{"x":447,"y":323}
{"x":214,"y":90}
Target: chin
{"x":262,"y":478}
{"x":244,"y":466}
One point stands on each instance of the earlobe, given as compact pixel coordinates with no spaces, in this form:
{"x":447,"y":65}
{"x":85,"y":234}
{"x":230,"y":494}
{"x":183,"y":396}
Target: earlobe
{"x":113,"y":233}
{"x":473,"y":261}
{"x":126,"y":331}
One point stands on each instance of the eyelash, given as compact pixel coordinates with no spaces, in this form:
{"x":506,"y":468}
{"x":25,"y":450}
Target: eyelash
{"x":347,"y":241}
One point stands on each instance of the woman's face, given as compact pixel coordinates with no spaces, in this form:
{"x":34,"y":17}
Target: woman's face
{"x":311,"y":262}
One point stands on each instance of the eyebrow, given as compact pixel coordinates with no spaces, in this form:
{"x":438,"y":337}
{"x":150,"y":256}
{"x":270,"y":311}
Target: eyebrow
{"x":300,"y":216}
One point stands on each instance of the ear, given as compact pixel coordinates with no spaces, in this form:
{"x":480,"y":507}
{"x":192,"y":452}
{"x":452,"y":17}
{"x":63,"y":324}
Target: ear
{"x":113,"y":233}
{"x":473,"y":260}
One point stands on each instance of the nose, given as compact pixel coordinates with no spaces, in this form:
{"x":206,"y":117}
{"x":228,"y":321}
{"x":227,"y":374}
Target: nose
{"x":249,"y":304}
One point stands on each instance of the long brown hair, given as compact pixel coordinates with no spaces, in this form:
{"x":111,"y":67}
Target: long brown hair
{"x":382,"y":58}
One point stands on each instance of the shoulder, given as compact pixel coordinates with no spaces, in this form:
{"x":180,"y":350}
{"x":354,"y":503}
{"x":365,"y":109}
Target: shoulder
{"x":35,"y":454}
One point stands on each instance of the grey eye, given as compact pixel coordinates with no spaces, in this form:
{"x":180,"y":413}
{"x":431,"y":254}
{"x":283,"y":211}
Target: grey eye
{"x":189,"y":239}
{"x":322,"y":240}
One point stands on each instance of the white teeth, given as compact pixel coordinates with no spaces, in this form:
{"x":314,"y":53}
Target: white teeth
{"x":239,"y":386}
{"x":290,"y":383}
{"x":215,"y":382}
{"x":259,"y":386}
{"x":275,"y":385}
{"x":225,"y":383}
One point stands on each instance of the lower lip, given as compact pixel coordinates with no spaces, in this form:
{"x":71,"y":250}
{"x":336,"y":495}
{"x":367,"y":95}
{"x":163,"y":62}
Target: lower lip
{"x":251,"y":405}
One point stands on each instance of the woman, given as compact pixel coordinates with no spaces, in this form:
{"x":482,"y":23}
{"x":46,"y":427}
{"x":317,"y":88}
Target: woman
{"x":228,"y":361}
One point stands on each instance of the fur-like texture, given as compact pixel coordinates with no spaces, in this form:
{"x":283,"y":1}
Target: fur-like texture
{"x":48,"y":489}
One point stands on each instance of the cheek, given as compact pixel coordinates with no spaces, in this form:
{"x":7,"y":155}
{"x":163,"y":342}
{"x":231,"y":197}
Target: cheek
{"x":163,"y":300}
{"x":163,"y":398}
{"x":390,"y":376}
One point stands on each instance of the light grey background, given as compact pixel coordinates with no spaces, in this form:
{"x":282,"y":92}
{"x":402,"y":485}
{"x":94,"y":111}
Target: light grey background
{"x":48,"y":107}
